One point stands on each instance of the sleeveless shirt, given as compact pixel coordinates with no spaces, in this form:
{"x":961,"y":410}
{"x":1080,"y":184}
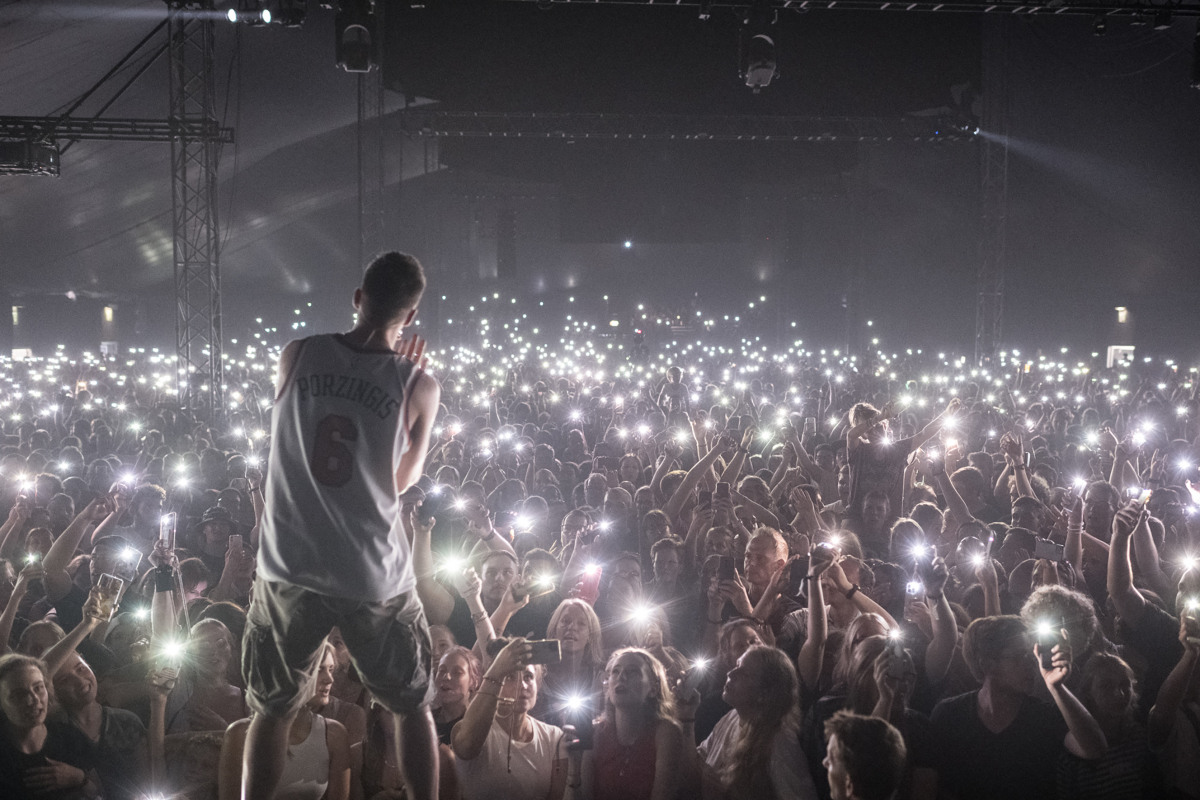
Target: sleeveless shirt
{"x":332,"y":517}
{"x":623,"y":772}
{"x":306,"y":772}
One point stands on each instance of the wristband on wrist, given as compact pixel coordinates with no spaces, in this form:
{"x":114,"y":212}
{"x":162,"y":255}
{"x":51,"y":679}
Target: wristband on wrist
{"x":164,"y":580}
{"x":853,"y":590}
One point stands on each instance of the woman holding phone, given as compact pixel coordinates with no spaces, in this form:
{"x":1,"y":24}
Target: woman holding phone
{"x":577,"y":628}
{"x":499,"y":749}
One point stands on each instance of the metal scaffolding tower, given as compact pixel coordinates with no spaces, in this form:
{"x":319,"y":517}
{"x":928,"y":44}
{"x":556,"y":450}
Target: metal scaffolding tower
{"x":989,"y":302}
{"x":371,"y":144}
{"x":194,"y":206}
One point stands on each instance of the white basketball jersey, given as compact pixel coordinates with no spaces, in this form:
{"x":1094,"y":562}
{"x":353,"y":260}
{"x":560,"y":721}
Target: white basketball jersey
{"x":332,"y":517}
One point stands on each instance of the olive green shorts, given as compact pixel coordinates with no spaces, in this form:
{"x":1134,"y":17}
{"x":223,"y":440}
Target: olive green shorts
{"x":286,"y":625}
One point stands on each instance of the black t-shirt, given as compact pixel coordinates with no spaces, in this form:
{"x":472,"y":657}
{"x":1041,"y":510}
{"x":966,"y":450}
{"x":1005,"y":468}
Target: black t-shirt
{"x":460,"y":623}
{"x":122,"y":739}
{"x":1018,"y":762}
{"x":444,"y":729}
{"x":1156,"y":638}
{"x":65,"y":743}
{"x":69,"y":607}
{"x":532,"y":620}
{"x":878,"y":466}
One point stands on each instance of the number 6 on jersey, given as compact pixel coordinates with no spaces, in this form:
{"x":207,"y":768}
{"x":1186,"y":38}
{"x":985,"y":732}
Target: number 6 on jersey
{"x":332,"y":461}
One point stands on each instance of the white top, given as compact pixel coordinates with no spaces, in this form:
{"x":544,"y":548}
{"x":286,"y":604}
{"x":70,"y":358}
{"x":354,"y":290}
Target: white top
{"x":306,"y":773}
{"x":790,"y":777}
{"x":332,"y":517}
{"x":487,"y":776}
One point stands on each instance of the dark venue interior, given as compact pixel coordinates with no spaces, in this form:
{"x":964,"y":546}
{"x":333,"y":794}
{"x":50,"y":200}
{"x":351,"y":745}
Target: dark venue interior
{"x":599,"y":399}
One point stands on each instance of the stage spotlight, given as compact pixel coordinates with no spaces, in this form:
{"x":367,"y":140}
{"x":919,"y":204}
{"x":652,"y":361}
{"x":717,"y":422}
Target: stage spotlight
{"x":355,"y":44}
{"x":756,"y":46}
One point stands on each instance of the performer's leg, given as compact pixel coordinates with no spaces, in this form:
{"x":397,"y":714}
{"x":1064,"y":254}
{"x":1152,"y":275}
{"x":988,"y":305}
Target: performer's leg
{"x":416,"y":745}
{"x":266,"y":756}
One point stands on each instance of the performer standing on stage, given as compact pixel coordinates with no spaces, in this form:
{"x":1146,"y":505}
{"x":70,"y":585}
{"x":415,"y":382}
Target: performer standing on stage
{"x":351,"y":427}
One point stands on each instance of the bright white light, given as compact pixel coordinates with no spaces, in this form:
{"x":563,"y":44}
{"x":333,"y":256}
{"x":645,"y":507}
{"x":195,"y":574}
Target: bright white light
{"x":453,"y":565}
{"x":642,"y":614}
{"x":628,"y":244}
{"x":174,"y":649}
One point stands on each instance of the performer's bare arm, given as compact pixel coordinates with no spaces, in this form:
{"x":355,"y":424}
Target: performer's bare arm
{"x":422,"y":410}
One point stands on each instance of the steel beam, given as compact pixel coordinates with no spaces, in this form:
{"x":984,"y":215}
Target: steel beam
{"x":194,"y":209}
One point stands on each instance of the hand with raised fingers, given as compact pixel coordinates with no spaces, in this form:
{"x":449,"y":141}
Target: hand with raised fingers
{"x":412,"y":348}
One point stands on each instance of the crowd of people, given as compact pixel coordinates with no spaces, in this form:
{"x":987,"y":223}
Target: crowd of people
{"x":675,"y":571}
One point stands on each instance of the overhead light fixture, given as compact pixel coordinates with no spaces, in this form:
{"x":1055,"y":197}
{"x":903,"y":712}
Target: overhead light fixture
{"x":705,"y":9}
{"x":249,"y":12}
{"x":256,"y":12}
{"x":355,"y":44}
{"x":1162,"y":19}
{"x":28,"y":157}
{"x":1100,"y":26}
{"x":759,"y":63}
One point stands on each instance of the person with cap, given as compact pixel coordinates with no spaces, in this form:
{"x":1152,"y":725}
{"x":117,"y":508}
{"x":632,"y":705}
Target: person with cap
{"x":225,"y":553}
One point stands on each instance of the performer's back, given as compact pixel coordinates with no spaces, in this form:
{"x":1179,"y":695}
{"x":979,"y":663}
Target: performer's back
{"x":332,"y":517}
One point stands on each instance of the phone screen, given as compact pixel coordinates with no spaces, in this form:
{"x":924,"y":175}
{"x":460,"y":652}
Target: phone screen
{"x":727,"y":569}
{"x":166,"y":530}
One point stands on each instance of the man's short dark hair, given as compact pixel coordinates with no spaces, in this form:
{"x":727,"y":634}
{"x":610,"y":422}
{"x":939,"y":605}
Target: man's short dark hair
{"x":392,"y":283}
{"x":666,"y":543}
{"x":871,"y":751}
